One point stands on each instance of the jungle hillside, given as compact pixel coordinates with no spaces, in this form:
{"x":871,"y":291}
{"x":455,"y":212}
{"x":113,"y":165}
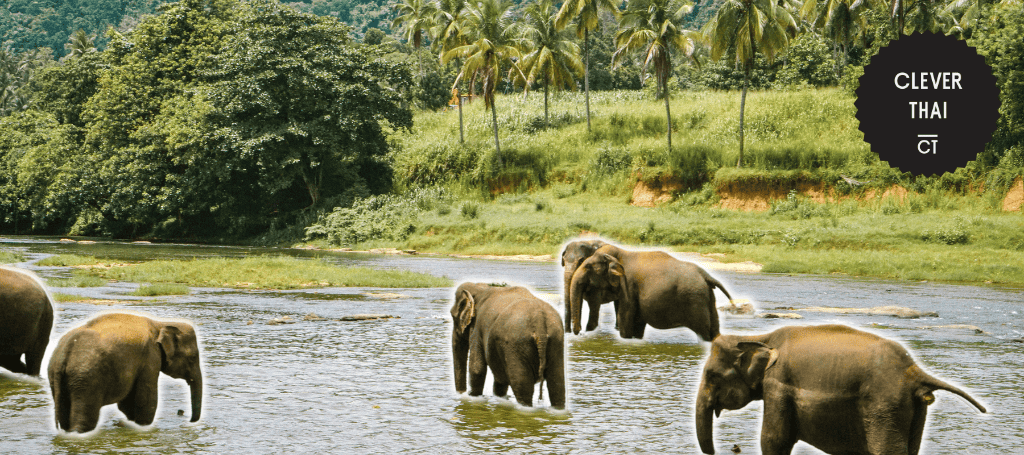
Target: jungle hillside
{"x":498,"y":127}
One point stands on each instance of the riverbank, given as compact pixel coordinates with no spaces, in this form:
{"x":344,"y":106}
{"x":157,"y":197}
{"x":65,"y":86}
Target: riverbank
{"x":931,"y":236}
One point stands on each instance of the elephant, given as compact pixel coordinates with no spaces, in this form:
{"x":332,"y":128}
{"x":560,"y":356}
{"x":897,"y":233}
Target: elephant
{"x":654,"y":289}
{"x":117,"y":358}
{"x":26,"y":321}
{"x":514,"y":333}
{"x":573,"y":255}
{"x":839,"y":389}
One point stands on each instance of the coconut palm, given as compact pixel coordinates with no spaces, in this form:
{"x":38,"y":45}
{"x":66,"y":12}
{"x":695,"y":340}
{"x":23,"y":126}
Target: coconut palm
{"x":749,"y":26}
{"x":414,"y":18}
{"x":652,"y":27}
{"x":555,"y":59}
{"x":80,"y":44}
{"x":839,"y":20}
{"x":494,"y":41}
{"x":587,"y":16}
{"x":447,"y":32}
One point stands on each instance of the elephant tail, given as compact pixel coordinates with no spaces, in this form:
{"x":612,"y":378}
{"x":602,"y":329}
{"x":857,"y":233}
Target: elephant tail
{"x":713,"y":283}
{"x":930,"y":383}
{"x":542,"y":354}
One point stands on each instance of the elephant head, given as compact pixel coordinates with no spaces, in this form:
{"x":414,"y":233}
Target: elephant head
{"x":733,"y":376}
{"x":463,"y":316}
{"x":572,"y":256}
{"x":601,"y":273}
{"x":180,"y":360}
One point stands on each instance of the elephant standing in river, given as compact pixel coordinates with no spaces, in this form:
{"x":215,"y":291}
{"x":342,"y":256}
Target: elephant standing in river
{"x":514,"y":333}
{"x":117,"y":358}
{"x":654,"y":289}
{"x":841,"y":390}
{"x":597,"y":291}
{"x":26,"y":319}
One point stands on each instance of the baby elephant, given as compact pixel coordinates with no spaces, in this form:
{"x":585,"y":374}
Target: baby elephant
{"x":116,"y":358}
{"x":514,"y":333}
{"x":839,"y":389}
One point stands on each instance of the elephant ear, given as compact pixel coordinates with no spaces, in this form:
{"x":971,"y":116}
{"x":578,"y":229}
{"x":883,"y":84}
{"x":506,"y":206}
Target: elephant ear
{"x":615,"y":270}
{"x":756,"y":359}
{"x":168,"y":340}
{"x":465,"y":310}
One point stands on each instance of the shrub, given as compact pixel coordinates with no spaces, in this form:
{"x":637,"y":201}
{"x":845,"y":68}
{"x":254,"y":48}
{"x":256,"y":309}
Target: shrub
{"x":382,"y":217}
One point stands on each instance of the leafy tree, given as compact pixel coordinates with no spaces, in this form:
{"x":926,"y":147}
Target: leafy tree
{"x":587,"y":14}
{"x":555,"y":59}
{"x":841,"y":21}
{"x":494,"y":39}
{"x":749,"y":26}
{"x":16,"y":72}
{"x":1002,"y":44}
{"x":306,"y":104}
{"x":652,"y":27}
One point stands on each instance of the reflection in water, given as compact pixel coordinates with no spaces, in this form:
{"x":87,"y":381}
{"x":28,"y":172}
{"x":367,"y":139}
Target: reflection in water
{"x":387,"y":387}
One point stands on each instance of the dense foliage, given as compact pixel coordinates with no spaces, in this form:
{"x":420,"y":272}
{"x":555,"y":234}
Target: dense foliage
{"x":217,"y":118}
{"x":233,"y":118}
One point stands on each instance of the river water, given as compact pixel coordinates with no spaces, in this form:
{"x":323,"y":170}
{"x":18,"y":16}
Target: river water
{"x":386,"y":386}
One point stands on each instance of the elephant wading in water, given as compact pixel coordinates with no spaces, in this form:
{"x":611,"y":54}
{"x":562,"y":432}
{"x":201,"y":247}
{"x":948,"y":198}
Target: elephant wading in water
{"x":26,"y":319}
{"x":596,"y":292}
{"x":117,"y":358}
{"x":841,"y":390}
{"x":653,"y":289}
{"x":514,"y":333}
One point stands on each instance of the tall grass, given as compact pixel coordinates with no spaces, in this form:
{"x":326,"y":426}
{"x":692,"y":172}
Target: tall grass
{"x":267,"y":272}
{"x":809,"y":129}
{"x":7,"y":257}
{"x":67,"y":260}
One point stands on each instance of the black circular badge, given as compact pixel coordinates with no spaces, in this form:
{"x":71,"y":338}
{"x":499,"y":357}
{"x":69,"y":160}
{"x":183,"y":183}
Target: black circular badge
{"x":927,"y":103}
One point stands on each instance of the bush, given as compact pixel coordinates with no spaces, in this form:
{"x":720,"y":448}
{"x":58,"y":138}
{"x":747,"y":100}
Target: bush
{"x":382,"y":217}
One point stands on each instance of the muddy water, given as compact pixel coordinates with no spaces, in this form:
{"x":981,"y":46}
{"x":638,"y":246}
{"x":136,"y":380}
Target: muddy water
{"x":386,"y":386}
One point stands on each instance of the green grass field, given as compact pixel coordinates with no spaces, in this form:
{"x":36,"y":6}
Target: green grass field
{"x":557,"y":182}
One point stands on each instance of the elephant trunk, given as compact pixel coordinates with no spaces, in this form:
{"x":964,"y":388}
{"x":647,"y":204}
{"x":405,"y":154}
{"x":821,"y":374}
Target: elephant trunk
{"x":567,"y":277}
{"x":460,"y":352}
{"x":576,"y":298}
{"x":704,"y":416}
{"x":196,"y":391}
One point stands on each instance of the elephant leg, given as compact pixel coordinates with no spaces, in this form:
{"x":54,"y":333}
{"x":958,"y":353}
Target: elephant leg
{"x":639,"y":326}
{"x":777,"y":433}
{"x":523,"y":391}
{"x":917,"y":427}
{"x":500,"y":389}
{"x":140,"y":404}
{"x":34,"y":359}
{"x":84,"y":414}
{"x":595,"y":314}
{"x":886,"y":430}
{"x":477,"y":371}
{"x":12,"y":363}
{"x":554,"y":377}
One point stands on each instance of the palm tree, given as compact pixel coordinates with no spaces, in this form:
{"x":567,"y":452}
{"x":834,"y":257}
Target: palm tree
{"x":841,"y":21}
{"x":555,"y":59}
{"x":80,"y":44}
{"x":587,"y":15}
{"x":494,"y":40}
{"x":414,"y":18}
{"x":749,"y":26}
{"x":653,"y":27}
{"x":448,"y":35}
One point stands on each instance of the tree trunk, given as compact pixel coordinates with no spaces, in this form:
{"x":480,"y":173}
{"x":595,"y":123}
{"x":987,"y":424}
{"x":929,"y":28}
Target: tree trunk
{"x":494,"y":118}
{"x":586,"y":74}
{"x":668,"y":115}
{"x":546,"y":122}
{"x":743,"y":102}
{"x":462,"y":134}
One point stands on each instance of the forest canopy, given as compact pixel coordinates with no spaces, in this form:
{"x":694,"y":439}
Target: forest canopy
{"x":216,"y":118}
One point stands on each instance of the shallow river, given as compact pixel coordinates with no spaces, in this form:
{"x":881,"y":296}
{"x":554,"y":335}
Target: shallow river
{"x":386,"y":386}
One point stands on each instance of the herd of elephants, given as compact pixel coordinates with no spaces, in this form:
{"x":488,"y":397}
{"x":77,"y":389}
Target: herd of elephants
{"x":839,"y":389}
